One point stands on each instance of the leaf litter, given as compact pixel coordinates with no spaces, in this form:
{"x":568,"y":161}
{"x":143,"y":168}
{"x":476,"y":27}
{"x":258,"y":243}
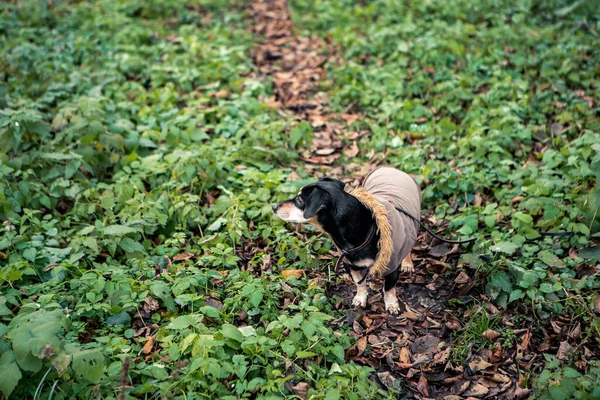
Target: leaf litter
{"x":413,"y":351}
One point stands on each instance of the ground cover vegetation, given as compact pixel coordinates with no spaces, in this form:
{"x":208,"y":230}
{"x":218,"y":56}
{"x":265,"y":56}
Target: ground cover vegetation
{"x":142,"y":143}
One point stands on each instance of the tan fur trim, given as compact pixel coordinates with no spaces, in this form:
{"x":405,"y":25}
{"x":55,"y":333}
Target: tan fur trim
{"x":386,"y":246}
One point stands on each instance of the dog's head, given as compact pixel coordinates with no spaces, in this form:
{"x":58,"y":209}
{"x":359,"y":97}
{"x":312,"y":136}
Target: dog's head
{"x":310,"y":201}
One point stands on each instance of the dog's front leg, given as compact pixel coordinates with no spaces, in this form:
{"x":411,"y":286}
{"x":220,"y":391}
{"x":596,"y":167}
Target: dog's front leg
{"x":360,"y":300}
{"x":389,"y":293}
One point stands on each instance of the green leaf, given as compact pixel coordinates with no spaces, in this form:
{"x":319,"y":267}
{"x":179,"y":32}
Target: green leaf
{"x":183,"y":322}
{"x":516,"y":295}
{"x":332,"y":394}
{"x":546,"y":288}
{"x":305,"y":354}
{"x":523,"y":217}
{"x":256,"y":297}
{"x":209,"y":311}
{"x":118,"y":230}
{"x":550,"y":259}
{"x":501,"y":280}
{"x":11,"y":374}
{"x":89,"y":365}
{"x":592,"y":253}
{"x":121,"y":318}
{"x":231,"y":332}
{"x":130,"y":245}
{"x":505,"y":247}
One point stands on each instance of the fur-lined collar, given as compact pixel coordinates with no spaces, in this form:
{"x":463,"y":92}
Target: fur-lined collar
{"x":386,"y":245}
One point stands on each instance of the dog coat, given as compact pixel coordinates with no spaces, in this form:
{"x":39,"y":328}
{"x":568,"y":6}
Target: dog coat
{"x":382,"y":191}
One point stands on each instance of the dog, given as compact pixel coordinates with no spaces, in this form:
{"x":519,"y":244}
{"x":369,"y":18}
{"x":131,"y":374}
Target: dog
{"x":373,"y":236}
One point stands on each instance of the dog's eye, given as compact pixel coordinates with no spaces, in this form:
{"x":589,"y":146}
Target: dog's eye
{"x":299,"y":201}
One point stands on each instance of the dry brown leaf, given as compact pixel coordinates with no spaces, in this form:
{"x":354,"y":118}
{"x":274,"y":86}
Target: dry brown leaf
{"x":410,"y":315}
{"x":300,"y":389}
{"x":404,"y":355}
{"x":522,"y":393}
{"x":352,"y":150}
{"x":462,"y":278}
{"x":597,"y":303}
{"x":150,"y":304}
{"x":497,"y":378}
{"x":325,"y":151}
{"x":491,"y":335}
{"x":422,"y":386}
{"x":453,"y":324}
{"x":526,"y":339}
{"x":564,"y":351}
{"x":478,"y":364}
{"x":361,"y":345}
{"x":148,"y":346}
{"x":476,"y":390}
{"x":442,"y":356}
{"x":292,"y":272}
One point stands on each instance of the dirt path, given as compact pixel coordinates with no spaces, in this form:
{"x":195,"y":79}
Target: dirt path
{"x":415,"y":350}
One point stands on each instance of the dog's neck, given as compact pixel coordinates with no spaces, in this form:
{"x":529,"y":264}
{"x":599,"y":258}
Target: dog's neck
{"x":349,"y":225}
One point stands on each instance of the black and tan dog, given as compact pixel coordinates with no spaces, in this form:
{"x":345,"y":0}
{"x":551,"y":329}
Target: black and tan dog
{"x":364,"y":224}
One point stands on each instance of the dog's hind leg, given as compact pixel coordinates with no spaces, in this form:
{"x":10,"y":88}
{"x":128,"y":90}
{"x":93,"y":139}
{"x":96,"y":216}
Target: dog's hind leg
{"x":389,"y":293}
{"x":360,"y":300}
{"x":407,"y":264}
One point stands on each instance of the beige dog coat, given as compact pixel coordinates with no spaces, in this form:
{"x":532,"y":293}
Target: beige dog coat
{"x":382,"y":191}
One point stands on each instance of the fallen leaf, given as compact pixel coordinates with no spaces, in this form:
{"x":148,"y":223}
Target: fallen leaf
{"x":422,"y":386}
{"x":387,"y":379}
{"x":476,"y":390}
{"x":292,"y":272}
{"x":183,"y":256}
{"x":564,"y":351}
{"x":478,"y":364}
{"x":597,"y":303}
{"x":404,"y":355}
{"x":325,"y":152}
{"x":148,"y":346}
{"x":361,"y":345}
{"x":491,"y":335}
{"x":352,"y":150}
{"x":300,"y":389}
{"x":410,"y":315}
{"x":442,"y":356}
{"x":525,"y":340}
{"x":462,"y":278}
{"x":150,"y":304}
{"x":522,"y":393}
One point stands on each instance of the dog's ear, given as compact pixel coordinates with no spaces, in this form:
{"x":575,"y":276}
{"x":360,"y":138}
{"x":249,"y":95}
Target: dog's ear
{"x":333,"y":180}
{"x":315,"y":203}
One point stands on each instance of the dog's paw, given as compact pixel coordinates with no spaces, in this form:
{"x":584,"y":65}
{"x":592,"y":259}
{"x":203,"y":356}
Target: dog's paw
{"x":407,"y":267}
{"x":393,"y":308}
{"x":360,"y":300}
{"x":391,"y":302}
